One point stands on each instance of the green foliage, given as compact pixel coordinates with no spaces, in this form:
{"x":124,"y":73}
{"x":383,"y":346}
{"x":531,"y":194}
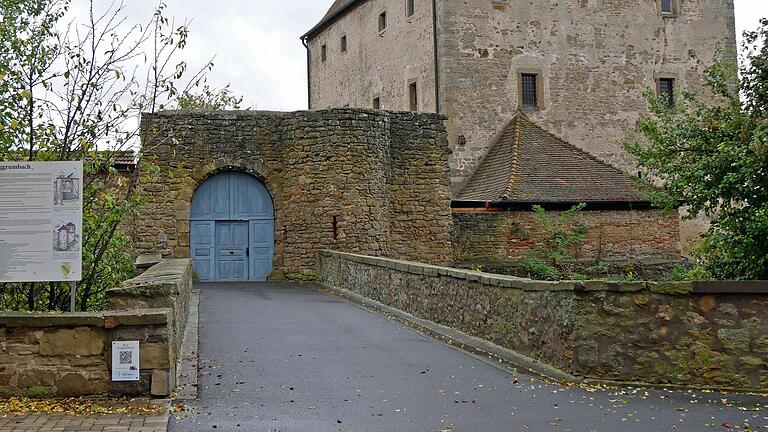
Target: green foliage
{"x":711,"y":152}
{"x":209,"y":99}
{"x":537,"y":268}
{"x":75,"y":92}
{"x":555,"y":254}
{"x":688,"y":273}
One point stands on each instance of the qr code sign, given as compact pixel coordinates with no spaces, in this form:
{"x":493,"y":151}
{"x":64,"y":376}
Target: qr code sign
{"x":126,"y":357}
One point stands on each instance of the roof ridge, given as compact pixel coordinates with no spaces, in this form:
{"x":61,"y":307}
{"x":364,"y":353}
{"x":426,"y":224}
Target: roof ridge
{"x":515,"y":157}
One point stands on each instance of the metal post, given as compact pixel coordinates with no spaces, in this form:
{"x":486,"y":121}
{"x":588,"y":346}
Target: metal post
{"x":72,"y":296}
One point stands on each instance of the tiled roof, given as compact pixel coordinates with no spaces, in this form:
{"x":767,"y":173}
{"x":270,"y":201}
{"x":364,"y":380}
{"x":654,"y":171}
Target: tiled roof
{"x":529,"y":164}
{"x":335,"y":10}
{"x":118,"y":157}
{"x":125,"y":157}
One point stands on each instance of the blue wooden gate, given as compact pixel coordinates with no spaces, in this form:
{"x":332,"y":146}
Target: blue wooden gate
{"x":232,"y":229}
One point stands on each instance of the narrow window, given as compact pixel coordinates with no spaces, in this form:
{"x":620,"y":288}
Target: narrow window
{"x":413,"y":97}
{"x":376,"y":103}
{"x":344,"y":43}
{"x":529,"y":91}
{"x":667,"y":90}
{"x":323,"y":53}
{"x":382,"y":21}
{"x":668,"y":6}
{"x":410,"y":7}
{"x":335,"y":229}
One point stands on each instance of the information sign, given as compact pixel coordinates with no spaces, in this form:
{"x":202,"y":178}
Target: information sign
{"x":125,"y":361}
{"x":41,"y":221}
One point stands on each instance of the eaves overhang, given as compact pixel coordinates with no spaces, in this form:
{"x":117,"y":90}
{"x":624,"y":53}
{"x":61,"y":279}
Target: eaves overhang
{"x":330,"y":18}
{"x":552,"y":205}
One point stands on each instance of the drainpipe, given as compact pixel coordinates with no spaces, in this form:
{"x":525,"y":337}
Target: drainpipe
{"x":437,"y":58}
{"x":309,"y":76}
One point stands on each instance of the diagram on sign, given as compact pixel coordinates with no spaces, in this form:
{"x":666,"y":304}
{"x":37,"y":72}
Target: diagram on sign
{"x":66,"y":190}
{"x":66,"y":235}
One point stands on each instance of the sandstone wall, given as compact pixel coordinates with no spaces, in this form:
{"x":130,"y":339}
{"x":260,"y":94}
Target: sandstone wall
{"x":618,"y":237}
{"x":595,"y":59}
{"x":708,"y":335}
{"x":375,"y":65}
{"x":70,"y":354}
{"x":382,"y":175}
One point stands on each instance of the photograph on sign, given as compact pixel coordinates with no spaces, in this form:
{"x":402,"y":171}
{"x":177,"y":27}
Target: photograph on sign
{"x":41,"y":221}
{"x":125,"y":361}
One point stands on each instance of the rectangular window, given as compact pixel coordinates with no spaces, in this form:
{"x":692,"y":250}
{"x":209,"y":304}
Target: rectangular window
{"x":344,"y":43}
{"x":667,"y":90}
{"x":323,"y":53}
{"x":382,"y":21}
{"x":410,"y":7}
{"x":668,"y":6}
{"x":529,"y":90}
{"x":376,"y":104}
{"x":413,"y":97}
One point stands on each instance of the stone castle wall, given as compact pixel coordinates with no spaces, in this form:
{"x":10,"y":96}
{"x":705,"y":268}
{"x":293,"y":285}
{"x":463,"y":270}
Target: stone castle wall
{"x":595,"y":59}
{"x":382,"y":176}
{"x":375,"y":64}
{"x":619,"y":237}
{"x":699,"y":334}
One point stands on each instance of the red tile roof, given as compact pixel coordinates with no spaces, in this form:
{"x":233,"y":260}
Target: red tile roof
{"x":529,"y":164}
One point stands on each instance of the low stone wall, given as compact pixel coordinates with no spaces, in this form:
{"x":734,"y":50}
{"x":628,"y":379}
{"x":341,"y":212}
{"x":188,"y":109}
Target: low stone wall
{"x":69,"y":354}
{"x":708,"y":335}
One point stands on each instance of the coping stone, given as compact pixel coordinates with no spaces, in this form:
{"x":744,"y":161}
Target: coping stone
{"x":51,"y":319}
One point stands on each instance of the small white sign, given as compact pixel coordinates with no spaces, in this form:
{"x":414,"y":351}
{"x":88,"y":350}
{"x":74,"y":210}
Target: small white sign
{"x":41,"y":221}
{"x":125,"y":361}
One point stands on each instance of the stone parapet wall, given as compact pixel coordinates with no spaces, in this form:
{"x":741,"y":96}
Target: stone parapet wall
{"x":69,"y":354}
{"x":625,"y":238}
{"x":165,"y":285}
{"x":708,"y":335}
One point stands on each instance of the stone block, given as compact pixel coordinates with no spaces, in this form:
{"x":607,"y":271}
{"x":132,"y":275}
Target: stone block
{"x":80,"y":341}
{"x":670,"y":288}
{"x":735,"y":339}
{"x":73,"y":384}
{"x":36,"y":378}
{"x":160,"y":384}
{"x":154,"y":356}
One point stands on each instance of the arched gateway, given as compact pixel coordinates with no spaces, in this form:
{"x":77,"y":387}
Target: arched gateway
{"x":232,"y":229}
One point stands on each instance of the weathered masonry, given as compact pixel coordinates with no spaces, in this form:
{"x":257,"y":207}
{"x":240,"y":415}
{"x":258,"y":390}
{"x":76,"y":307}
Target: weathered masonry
{"x":697,"y":334}
{"x":577,"y":67}
{"x":251,"y":195}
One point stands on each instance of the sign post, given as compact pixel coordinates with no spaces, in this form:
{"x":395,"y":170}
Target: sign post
{"x":72,"y":296}
{"x":41,"y":221}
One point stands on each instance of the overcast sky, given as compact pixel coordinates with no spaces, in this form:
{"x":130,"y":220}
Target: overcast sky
{"x":257,"y":46}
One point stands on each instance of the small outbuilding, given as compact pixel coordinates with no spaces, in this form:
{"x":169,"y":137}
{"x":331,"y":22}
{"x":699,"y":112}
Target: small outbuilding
{"x":493,"y":221}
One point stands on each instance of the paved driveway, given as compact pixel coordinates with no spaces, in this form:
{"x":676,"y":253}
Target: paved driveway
{"x":285,"y":357}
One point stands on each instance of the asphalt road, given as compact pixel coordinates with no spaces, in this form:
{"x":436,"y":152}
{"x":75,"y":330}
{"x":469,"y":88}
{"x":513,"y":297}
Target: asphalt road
{"x":285,"y":357}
